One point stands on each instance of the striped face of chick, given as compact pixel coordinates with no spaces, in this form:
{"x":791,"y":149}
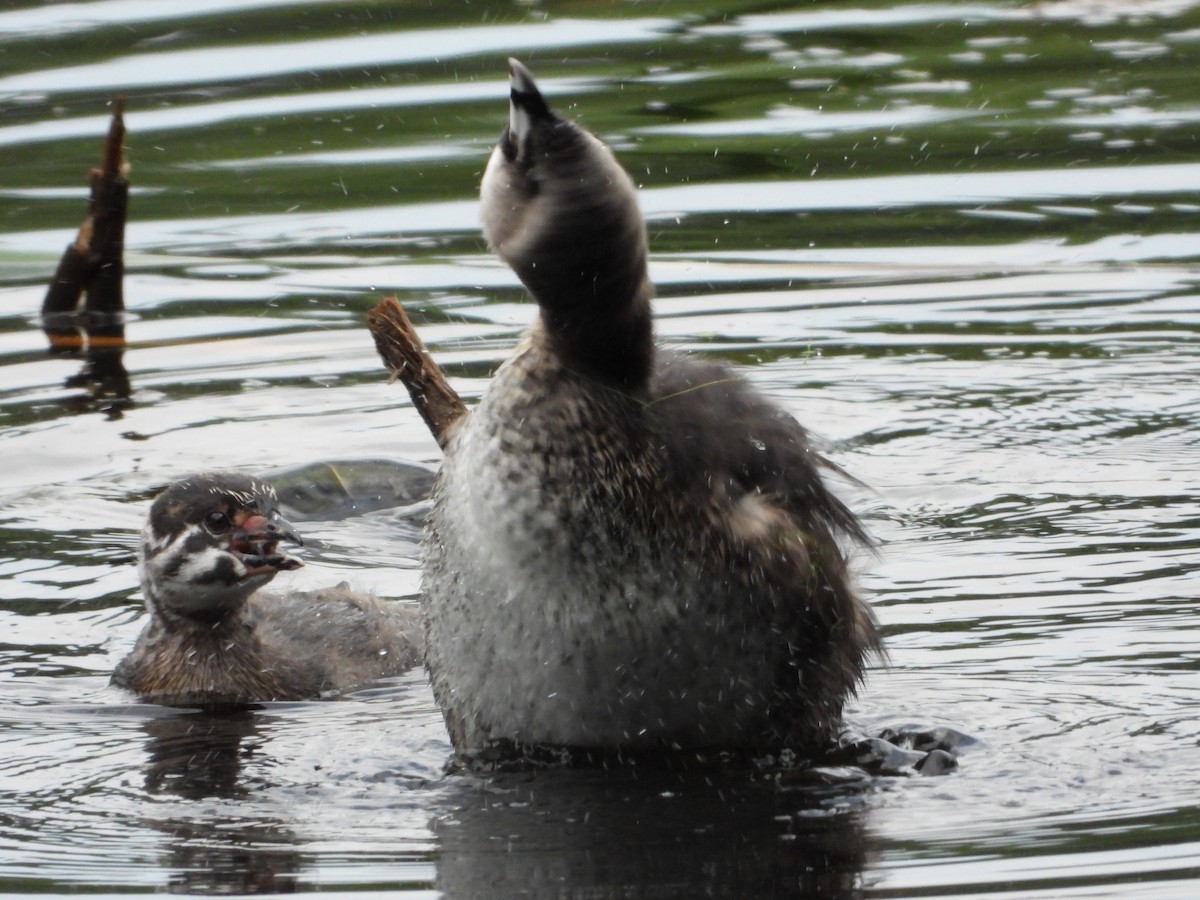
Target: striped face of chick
{"x":211,"y":541}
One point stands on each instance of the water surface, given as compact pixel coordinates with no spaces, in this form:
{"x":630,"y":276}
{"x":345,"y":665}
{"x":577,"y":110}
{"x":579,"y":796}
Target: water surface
{"x":959,"y":241}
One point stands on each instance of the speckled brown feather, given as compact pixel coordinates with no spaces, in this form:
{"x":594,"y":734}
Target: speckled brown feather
{"x":215,"y":638}
{"x":628,"y":549}
{"x":299,"y":646}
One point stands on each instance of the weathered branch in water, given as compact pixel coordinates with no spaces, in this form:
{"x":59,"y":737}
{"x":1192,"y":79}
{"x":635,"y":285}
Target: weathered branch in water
{"x":95,"y":263}
{"x":110,"y":197}
{"x":75,"y":270}
{"x":406,"y":358}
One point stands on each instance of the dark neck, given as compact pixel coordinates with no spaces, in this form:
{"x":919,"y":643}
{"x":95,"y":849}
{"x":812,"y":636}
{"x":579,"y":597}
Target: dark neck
{"x":591,"y":284}
{"x":202,"y":622}
{"x":610,"y":338}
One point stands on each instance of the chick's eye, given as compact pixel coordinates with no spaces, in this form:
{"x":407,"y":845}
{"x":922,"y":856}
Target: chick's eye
{"x":217,"y":522}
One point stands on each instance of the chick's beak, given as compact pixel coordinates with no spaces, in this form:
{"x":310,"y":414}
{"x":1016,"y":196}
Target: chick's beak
{"x":257,"y":539}
{"x":281,"y":526}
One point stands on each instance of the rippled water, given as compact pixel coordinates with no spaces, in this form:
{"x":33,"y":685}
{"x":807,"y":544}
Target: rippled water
{"x":960,"y":241}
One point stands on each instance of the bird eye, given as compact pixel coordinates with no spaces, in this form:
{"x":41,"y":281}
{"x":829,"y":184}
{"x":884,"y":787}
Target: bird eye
{"x":217,"y":522}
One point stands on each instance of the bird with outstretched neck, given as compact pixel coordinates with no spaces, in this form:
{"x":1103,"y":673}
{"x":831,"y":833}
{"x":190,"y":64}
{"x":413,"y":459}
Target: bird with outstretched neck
{"x":629,"y":549}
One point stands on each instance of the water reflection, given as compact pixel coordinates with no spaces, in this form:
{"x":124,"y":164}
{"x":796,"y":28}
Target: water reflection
{"x":103,"y":377}
{"x":167,"y":68}
{"x":200,"y":756}
{"x":612,"y":833}
{"x":217,"y":859}
{"x":634,"y":833}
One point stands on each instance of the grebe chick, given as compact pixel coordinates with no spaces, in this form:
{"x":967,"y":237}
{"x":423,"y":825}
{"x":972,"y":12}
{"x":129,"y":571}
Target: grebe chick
{"x":210,"y":543}
{"x":628,"y":548}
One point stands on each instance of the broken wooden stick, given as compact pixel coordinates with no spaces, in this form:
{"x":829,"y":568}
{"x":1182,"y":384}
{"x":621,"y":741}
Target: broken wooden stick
{"x":406,"y":358}
{"x":75,"y":270}
{"x":95,"y":263}
{"x":110,"y":200}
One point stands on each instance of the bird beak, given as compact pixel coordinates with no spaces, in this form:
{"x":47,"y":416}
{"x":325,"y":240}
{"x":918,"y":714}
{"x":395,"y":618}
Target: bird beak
{"x":278,"y":524}
{"x":256,"y":542}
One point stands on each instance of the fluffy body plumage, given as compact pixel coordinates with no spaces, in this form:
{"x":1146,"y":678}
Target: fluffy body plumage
{"x":628,"y":548}
{"x":210,"y":543}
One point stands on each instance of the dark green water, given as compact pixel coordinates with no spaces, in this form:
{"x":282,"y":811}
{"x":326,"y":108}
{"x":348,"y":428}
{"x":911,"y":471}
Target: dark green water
{"x":960,"y":241}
